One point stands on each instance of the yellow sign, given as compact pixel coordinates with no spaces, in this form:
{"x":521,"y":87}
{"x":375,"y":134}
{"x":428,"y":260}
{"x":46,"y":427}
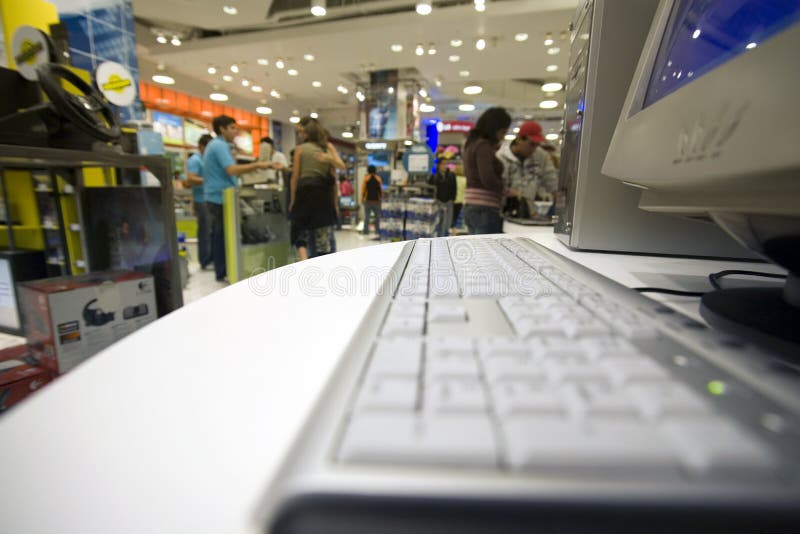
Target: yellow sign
{"x":115,"y":83}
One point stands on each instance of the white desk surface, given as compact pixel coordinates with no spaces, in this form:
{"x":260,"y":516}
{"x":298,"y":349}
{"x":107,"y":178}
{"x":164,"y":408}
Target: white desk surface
{"x":180,"y":426}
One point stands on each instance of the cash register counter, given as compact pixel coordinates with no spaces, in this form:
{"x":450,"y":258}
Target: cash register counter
{"x":181,"y":426}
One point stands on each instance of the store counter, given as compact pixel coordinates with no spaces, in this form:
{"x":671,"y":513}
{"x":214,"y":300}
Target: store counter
{"x":181,"y":426}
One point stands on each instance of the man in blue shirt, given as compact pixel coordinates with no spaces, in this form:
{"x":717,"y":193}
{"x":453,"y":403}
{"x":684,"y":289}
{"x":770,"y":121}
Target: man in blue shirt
{"x":194,"y":180}
{"x":220,"y":171}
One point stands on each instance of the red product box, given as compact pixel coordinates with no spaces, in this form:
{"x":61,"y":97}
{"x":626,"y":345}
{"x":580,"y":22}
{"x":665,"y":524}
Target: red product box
{"x":18,"y":379}
{"x":71,"y":318}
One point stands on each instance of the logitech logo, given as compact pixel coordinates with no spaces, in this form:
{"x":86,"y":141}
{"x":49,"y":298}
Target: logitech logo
{"x":708,"y":134}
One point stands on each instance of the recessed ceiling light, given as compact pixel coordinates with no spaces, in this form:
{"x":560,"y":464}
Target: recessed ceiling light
{"x":419,"y":50}
{"x":516,"y":130}
{"x":227,"y":78}
{"x":263,"y":62}
{"x":466,"y":107}
{"x":235,"y":68}
{"x":163,"y":79}
{"x":294,"y":119}
{"x":431,"y":49}
{"x":751,"y":46}
{"x":510,"y":137}
{"x":480,"y":6}
{"x":257,"y":89}
{"x":455,"y":43}
{"x":308,"y":57}
{"x":314,"y":115}
{"x":427,"y":108}
{"x":480,"y":44}
{"x":552,"y":87}
{"x":342,"y":89}
{"x":279,"y":63}
{"x":162,"y":39}
{"x":274,"y":94}
{"x":176,"y":41}
{"x":423,"y":93}
{"x":318,"y":8}
{"x":292,"y":72}
{"x":347,"y":134}
{"x":520,"y":37}
{"x":230,"y":10}
{"x":548,"y":39}
{"x":360,"y":96}
{"x":551,"y":136}
{"x":438,"y":82}
{"x":408,"y":142}
{"x":473,"y":90}
{"x":424,"y":7}
{"x":218,"y":97}
{"x":390,"y":90}
{"x":245,"y":82}
{"x":264,"y":110}
{"x":316,"y":83}
{"x":548,"y":104}
{"x":463,"y":73}
{"x":396,"y":48}
{"x":553,"y":50}
{"x":212,"y":69}
{"x":454,"y":58}
{"x":696,"y":33}
{"x":551,"y":68}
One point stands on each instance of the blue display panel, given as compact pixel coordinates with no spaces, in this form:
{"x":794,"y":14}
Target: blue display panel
{"x":703,"y":34}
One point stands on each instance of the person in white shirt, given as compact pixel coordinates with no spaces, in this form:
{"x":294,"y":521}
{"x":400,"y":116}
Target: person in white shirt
{"x":528,"y":169}
{"x":270,"y":153}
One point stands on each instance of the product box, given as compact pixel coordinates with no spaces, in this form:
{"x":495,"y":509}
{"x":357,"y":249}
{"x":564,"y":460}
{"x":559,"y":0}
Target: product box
{"x":19,"y":377}
{"x":71,"y":318}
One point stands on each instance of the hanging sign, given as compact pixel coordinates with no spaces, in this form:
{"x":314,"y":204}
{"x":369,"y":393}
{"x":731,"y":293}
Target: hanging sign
{"x":116,"y":83}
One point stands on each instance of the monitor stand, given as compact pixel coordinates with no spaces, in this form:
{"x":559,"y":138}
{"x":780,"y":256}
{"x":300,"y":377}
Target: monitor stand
{"x":767,"y":316}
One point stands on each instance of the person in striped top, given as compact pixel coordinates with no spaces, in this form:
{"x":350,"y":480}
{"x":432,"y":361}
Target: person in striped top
{"x":486,"y":190}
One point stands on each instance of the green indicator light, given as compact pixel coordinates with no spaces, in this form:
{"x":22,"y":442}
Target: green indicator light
{"x":716,"y":387}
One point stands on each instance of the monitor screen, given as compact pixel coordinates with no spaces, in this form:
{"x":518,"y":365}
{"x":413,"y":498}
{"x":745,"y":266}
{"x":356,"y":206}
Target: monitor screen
{"x":379,"y":158}
{"x":702,"y":35}
{"x":125,"y":230}
{"x":244,"y":142}
{"x":169,"y":126}
{"x":193,"y":130}
{"x":9,"y":315}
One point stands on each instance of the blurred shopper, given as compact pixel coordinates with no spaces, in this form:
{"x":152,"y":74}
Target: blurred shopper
{"x":485,"y":188}
{"x":461,"y":189}
{"x":371,"y":197}
{"x":312,"y":194}
{"x":445,"y":182}
{"x":268,"y":152}
{"x":527,"y":168}
{"x":194,"y":180}
{"x":220,"y":171}
{"x":346,"y":187}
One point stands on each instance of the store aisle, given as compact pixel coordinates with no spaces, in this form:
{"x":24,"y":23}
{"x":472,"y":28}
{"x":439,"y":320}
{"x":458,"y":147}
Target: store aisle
{"x":202,"y":283}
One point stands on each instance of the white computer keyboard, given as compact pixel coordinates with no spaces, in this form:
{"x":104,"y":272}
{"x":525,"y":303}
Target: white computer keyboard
{"x":492,"y":357}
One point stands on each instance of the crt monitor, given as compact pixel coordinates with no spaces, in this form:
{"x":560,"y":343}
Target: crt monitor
{"x":711,"y":128}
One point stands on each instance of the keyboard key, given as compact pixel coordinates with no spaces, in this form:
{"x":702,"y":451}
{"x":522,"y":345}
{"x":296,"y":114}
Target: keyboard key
{"x":513,"y":396}
{"x":388,"y":393}
{"x":451,"y":364}
{"x":397,"y":357}
{"x":441,"y":440}
{"x":624,"y":370}
{"x":454,"y":395}
{"x":656,"y":399}
{"x":406,"y":326}
{"x":507,"y":366}
{"x":716,"y":447}
{"x":446,"y":313}
{"x":603,"y":446}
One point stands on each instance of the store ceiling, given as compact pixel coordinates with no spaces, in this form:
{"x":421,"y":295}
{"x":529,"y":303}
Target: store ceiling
{"x":352,"y":40}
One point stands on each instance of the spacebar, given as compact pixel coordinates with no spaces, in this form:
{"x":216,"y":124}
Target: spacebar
{"x":406,"y":438}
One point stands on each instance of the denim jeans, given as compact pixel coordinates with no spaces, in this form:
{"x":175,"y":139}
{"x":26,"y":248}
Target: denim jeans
{"x":204,"y":255}
{"x":483,"y":219}
{"x":217,"y":239}
{"x":375,"y":210}
{"x":445,"y":219}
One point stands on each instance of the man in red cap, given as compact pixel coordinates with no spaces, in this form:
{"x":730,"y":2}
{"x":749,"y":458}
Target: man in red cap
{"x":528,"y":168}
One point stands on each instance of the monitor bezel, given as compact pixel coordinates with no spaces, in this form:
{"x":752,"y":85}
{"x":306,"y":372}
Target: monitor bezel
{"x":694,"y":175}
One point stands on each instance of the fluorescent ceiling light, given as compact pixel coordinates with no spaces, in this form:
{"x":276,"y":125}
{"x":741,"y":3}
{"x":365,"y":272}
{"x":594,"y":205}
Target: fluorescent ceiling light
{"x":473,"y":90}
{"x":424,"y":7}
{"x":163,"y":79}
{"x":396,"y":48}
{"x":510,"y":137}
{"x":408,"y":142}
{"x":263,"y":62}
{"x":463,"y":73}
{"x":520,"y":37}
{"x":427,"y":108}
{"x":480,"y":6}
{"x":552,"y":87}
{"x":230,"y":10}
{"x":553,"y":51}
{"x":218,"y":97}
{"x":551,"y":68}
{"x":551,"y":136}
{"x":308,"y":57}
{"x":466,"y":107}
{"x":455,"y":43}
{"x":548,"y":104}
{"x":316,"y":83}
{"x":347,"y":135}
{"x":264,"y":110}
{"x":294,"y":119}
{"x":454,"y":58}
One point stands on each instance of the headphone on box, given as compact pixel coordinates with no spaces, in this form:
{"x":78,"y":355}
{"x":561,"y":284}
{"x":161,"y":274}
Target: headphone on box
{"x":96,"y":316}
